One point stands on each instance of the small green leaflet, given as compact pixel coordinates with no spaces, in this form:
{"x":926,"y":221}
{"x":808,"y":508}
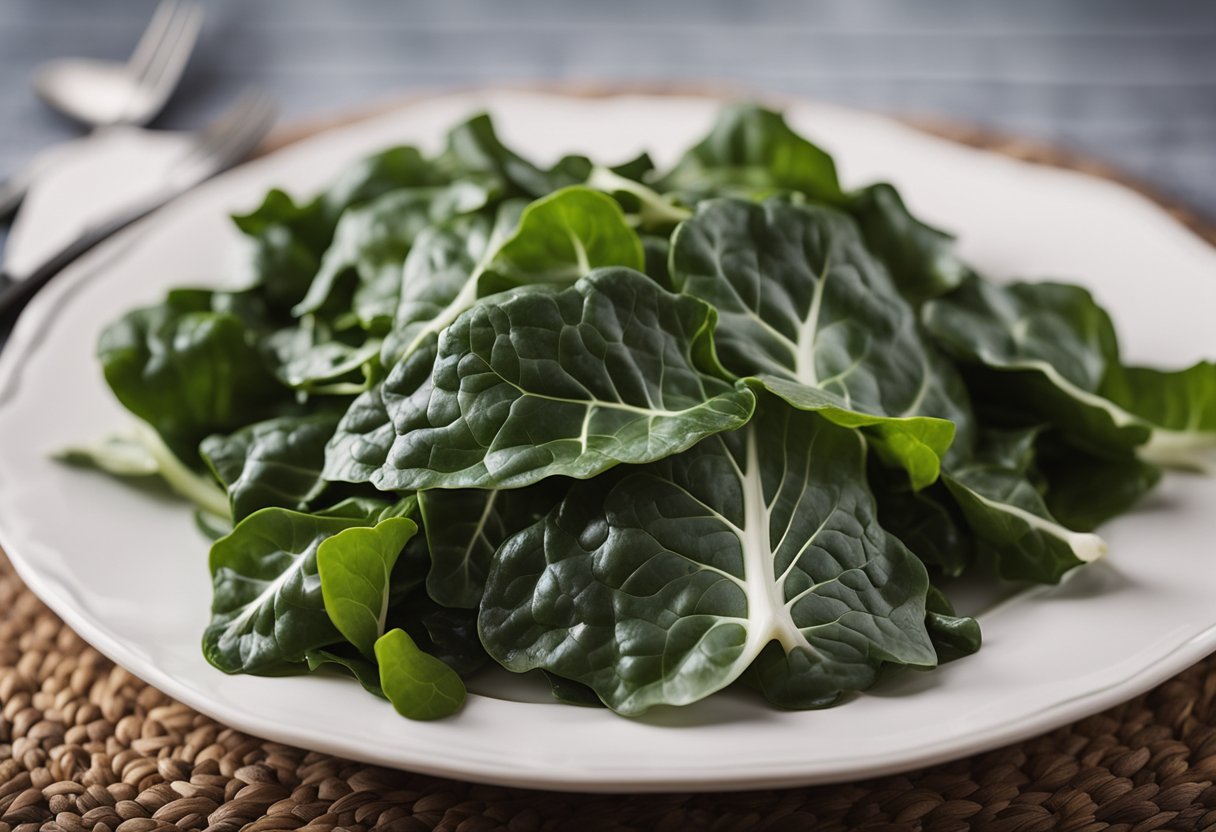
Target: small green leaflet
{"x":419,"y":685}
{"x":355,"y":566}
{"x":602,"y":373}
{"x":665,"y":584}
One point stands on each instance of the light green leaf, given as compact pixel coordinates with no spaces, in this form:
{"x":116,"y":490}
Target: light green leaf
{"x":419,"y":686}
{"x":754,"y":548}
{"x":355,"y":566}
{"x":569,"y":383}
{"x":561,"y":238}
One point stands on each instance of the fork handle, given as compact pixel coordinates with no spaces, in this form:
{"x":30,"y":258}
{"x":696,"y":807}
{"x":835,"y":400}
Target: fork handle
{"x":12,"y":191}
{"x":15,"y":292}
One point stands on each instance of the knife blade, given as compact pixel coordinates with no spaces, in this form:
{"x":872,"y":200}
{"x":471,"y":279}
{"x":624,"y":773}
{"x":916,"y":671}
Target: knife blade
{"x":84,"y":182}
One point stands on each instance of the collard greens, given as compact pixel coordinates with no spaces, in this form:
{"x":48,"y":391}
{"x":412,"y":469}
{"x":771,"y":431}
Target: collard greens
{"x":644,"y":433}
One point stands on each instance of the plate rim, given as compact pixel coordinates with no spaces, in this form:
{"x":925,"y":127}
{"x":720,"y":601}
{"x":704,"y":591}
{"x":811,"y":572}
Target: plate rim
{"x":37,"y":321}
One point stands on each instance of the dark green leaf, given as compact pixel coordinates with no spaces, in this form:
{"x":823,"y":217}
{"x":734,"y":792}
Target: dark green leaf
{"x":667,"y":583}
{"x":362,"y":440}
{"x":464,"y":527}
{"x":474,"y":148}
{"x":371,"y":242}
{"x":449,"y":635}
{"x":313,"y":358}
{"x":1008,"y":516}
{"x":267,"y":607}
{"x":272,"y":463}
{"x":350,"y":662}
{"x":920,"y":258}
{"x":571,"y":693}
{"x":1046,"y":347}
{"x":750,"y":149}
{"x":187,"y":369}
{"x":1084,"y":491}
{"x":814,"y":318}
{"x":953,"y":636}
{"x":567,"y":383}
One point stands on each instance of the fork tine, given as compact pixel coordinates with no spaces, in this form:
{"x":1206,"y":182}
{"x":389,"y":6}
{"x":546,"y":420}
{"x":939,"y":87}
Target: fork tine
{"x":149,"y":41}
{"x":233,"y":135}
{"x":163,"y":67}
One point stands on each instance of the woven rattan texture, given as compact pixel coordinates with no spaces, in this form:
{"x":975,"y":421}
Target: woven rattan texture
{"x":84,"y":745}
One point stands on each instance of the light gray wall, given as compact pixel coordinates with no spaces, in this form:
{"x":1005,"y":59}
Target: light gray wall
{"x":1130,"y":81}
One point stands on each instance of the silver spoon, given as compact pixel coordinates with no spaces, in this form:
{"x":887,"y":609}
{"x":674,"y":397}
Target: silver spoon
{"x":105,"y":93}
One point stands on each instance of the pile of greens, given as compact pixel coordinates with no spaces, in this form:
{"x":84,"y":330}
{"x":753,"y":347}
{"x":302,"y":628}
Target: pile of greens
{"x":652,"y":433}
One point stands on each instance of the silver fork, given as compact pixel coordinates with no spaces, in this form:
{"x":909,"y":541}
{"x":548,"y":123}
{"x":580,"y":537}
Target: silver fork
{"x":228,"y":140}
{"x":100,"y":93}
{"x":105,"y":93}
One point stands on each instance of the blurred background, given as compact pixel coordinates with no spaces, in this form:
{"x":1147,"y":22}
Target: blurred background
{"x":1130,"y":82}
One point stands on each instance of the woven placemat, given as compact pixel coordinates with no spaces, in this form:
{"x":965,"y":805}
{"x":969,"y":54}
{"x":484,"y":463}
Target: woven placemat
{"x":84,"y":745}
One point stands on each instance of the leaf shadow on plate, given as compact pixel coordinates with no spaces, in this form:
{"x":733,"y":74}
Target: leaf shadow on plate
{"x":149,"y":486}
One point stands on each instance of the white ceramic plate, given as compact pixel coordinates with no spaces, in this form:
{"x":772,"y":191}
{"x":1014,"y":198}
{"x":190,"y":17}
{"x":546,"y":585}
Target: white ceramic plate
{"x":128,"y":571}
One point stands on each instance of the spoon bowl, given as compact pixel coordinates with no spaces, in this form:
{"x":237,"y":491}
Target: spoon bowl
{"x":104,"y":93}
